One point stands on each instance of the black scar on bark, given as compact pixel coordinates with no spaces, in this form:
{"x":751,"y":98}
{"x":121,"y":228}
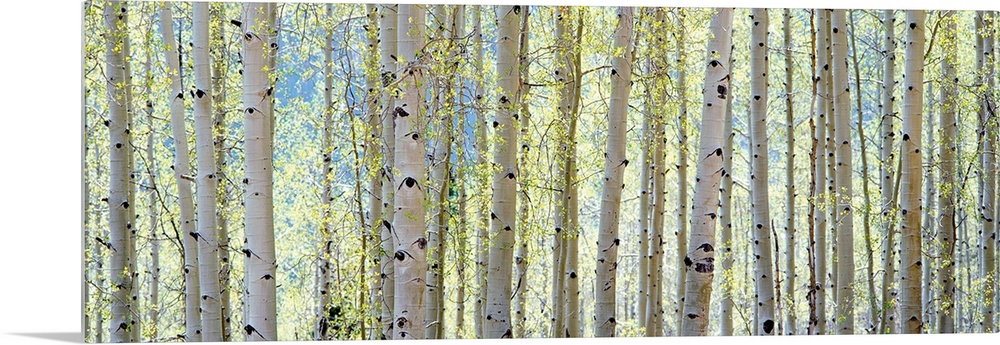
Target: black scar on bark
{"x":495,"y":124}
{"x":399,"y":112}
{"x":236,"y":22}
{"x":692,"y":316}
{"x":722,"y":91}
{"x":706,"y":247}
{"x":510,"y":175}
{"x":199,"y":93}
{"x":687,"y":261}
{"x":493,"y":215}
{"x":421,"y":243}
{"x":768,"y":326}
{"x":507,"y":334}
{"x":409,"y":182}
{"x":387,"y":225}
{"x":400,"y":256}
{"x":572,"y":275}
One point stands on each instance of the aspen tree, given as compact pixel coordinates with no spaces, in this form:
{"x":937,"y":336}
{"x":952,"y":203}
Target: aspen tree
{"x":571,"y":278}
{"x":614,"y":170}
{"x":910,"y":308}
{"x":120,"y":225}
{"x":725,"y":213}
{"x":373,"y":164}
{"x":207,"y":235}
{"x":866,"y":219}
{"x":844,"y":181}
{"x":220,"y":68}
{"x":763,"y":269}
{"x":789,"y":174}
{"x":565,"y":79}
{"x":439,"y":181}
{"x":154,"y":241}
{"x":945,"y":240}
{"x":683,"y":218}
{"x":820,"y":192}
{"x":813,"y":287}
{"x":481,"y":146}
{"x":886,"y":173}
{"x":387,"y":37}
{"x":260,"y":266}
{"x":644,"y":200}
{"x":408,"y":225}
{"x":322,"y":326}
{"x":989,"y":170}
{"x":700,"y":259}
{"x":503,"y":218}
{"x":654,"y":304}
{"x":182,"y":173}
{"x":521,"y":256}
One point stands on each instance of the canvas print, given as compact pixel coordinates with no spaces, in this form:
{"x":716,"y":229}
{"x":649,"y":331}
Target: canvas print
{"x":322,"y":171}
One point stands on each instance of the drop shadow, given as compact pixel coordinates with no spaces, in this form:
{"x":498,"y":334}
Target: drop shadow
{"x":66,"y":337}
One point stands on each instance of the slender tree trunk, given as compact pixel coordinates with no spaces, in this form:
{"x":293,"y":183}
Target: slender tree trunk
{"x":886,"y":173}
{"x":322,"y":325}
{"x":563,"y":74}
{"x":814,"y":288}
{"x":700,"y":260}
{"x":910,"y":245}
{"x":820,"y":195}
{"x":220,"y":69}
{"x":945,"y":239}
{"x":844,"y":181}
{"x":789,"y":175}
{"x":260,"y":266}
{"x":571,"y":280}
{"x":682,"y":170}
{"x":763,"y":269}
{"x":409,"y":225}
{"x":440,"y":175}
{"x":866,"y":222}
{"x":926,"y":234}
{"x":644,"y":201}
{"x":614,"y":170}
{"x":387,"y":37}
{"x":503,"y":219}
{"x":182,"y":173}
{"x":207,"y":235}
{"x":726,"y":214}
{"x":482,"y":149}
{"x":654,"y":305}
{"x":521,"y":260}
{"x":154,"y":242}
{"x":374,"y":160}
{"x":122,"y":320}
{"x":988,"y":157}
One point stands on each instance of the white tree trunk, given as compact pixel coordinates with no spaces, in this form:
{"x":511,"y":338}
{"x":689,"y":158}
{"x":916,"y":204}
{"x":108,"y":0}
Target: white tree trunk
{"x":152,"y":208}
{"x":988,"y":241}
{"x":182,"y":169}
{"x":763,"y":253}
{"x":725,"y":216}
{"x":820,"y":192}
{"x":119,"y":190}
{"x":409,"y":227}
{"x":373,"y":156}
{"x":844,"y":181}
{"x":521,"y":259}
{"x":682,"y":172}
{"x":207,"y":235}
{"x":322,"y":326}
{"x":387,"y":37}
{"x":886,"y":172}
{"x":482,"y":149}
{"x":563,"y":65}
{"x":654,"y":305}
{"x":260,"y":267}
{"x":700,"y":259}
{"x":946,"y":198}
{"x":503,"y":220}
{"x":789,"y":176}
{"x":910,"y":245}
{"x":220,"y":69}
{"x":614,"y":170}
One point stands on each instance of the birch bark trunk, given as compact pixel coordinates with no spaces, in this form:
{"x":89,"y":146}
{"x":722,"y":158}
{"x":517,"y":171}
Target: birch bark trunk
{"x":387,"y":37}
{"x":843,"y":183}
{"x":182,"y":169}
{"x":910,"y":245}
{"x":409,"y":226}
{"x":700,"y":260}
{"x":614,"y":169}
{"x":503,"y":219}
{"x":261,"y":265}
{"x":763,"y":259}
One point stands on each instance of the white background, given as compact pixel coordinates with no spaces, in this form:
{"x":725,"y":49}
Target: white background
{"x":40,"y":164}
